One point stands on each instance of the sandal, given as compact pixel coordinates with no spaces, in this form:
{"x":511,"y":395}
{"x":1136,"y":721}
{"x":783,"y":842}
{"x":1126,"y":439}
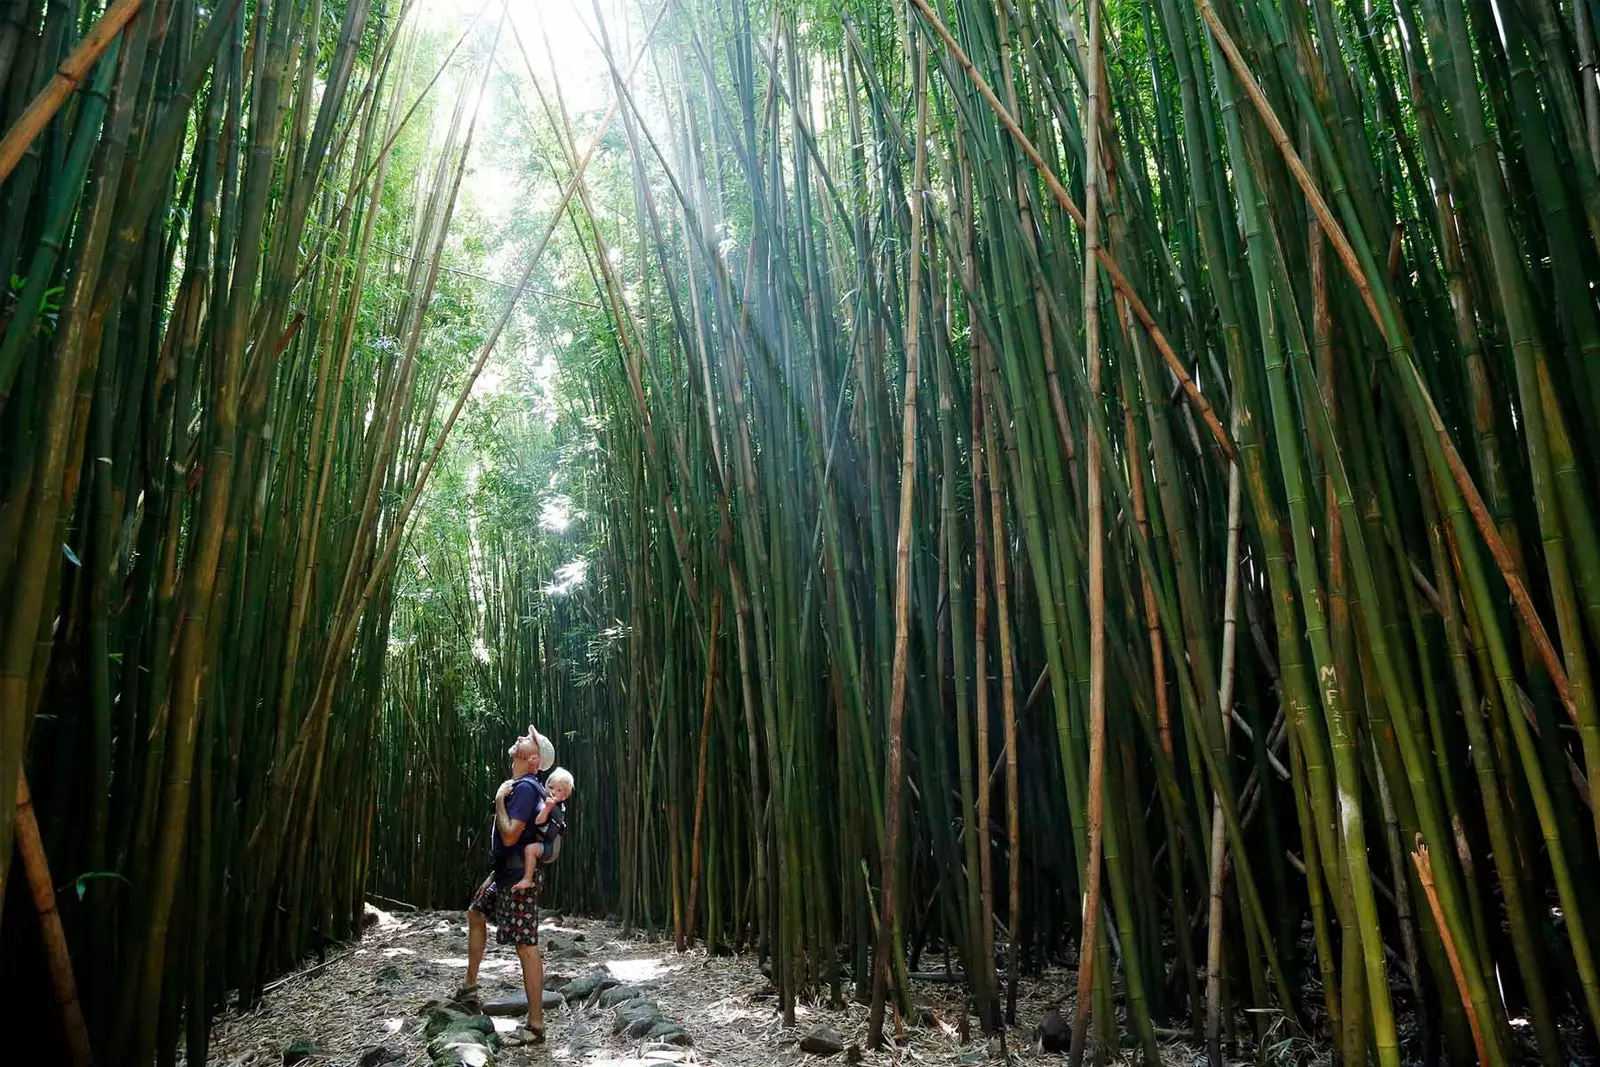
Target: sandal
{"x":524,"y":1035}
{"x":466,"y":992}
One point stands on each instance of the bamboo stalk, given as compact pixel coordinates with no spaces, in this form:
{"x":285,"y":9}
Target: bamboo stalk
{"x":37,"y":867}
{"x":66,"y":80}
{"x":1097,"y":579}
{"x":894,"y":773}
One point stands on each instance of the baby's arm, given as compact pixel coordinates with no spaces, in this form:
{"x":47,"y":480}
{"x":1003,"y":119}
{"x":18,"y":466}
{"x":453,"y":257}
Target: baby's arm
{"x":545,"y":808}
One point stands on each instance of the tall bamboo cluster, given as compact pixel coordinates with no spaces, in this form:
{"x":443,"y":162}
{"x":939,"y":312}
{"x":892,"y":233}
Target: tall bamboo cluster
{"x":1107,"y":481}
{"x":224,"y":339}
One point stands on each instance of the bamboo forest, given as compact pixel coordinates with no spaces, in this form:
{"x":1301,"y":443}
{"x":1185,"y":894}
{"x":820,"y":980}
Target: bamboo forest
{"x":1042,"y":530}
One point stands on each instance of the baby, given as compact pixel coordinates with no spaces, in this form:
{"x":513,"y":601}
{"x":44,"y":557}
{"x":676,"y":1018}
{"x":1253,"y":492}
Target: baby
{"x":543,"y":838}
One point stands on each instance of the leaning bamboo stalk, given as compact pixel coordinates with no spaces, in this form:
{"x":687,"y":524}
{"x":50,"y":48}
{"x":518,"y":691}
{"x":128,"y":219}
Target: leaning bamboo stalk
{"x":67,"y":78}
{"x":37,"y":866}
{"x":1424,"y":865}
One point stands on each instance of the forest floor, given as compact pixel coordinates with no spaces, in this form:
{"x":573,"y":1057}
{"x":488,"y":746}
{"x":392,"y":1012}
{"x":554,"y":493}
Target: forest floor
{"x":376,"y":995}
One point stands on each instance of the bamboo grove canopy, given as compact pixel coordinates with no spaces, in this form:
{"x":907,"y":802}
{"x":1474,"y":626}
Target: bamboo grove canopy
{"x":1091,"y":482}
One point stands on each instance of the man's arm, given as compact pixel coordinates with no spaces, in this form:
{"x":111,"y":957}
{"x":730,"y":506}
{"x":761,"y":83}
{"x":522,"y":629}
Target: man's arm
{"x":510,"y":829}
{"x":514,"y":808}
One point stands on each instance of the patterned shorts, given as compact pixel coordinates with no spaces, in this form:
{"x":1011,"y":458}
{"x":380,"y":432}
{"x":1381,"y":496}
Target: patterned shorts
{"x":514,"y":911}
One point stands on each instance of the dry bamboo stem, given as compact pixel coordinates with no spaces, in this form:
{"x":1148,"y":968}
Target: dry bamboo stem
{"x":1425,"y":875}
{"x":66,"y":80}
{"x":31,"y":846}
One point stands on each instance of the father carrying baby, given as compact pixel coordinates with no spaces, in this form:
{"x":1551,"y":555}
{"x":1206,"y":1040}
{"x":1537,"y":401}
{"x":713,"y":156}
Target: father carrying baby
{"x":529,"y":819}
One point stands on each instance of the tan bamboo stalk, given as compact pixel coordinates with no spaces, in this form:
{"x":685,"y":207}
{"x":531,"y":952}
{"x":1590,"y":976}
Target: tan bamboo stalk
{"x":1097,"y":536}
{"x":705,"y":751}
{"x":1008,"y":705}
{"x":902,"y":594}
{"x":989,"y":1012}
{"x":63,"y":84}
{"x":30,"y":845}
{"x":1425,"y":875}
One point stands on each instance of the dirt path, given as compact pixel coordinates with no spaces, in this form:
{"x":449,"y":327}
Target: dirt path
{"x":374,"y":996}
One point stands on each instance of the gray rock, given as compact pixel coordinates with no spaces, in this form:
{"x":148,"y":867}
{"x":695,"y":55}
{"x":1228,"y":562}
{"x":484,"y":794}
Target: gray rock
{"x":517,"y":1003}
{"x":581,"y":988}
{"x":618,"y":995}
{"x":559,"y":948}
{"x":1054,"y":1034}
{"x":670,"y":1033}
{"x":822,"y":1042}
{"x":448,"y":1020}
{"x":636,"y":1017}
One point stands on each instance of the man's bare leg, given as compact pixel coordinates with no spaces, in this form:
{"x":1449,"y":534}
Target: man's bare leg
{"x":477,"y":941}
{"x":477,"y":938}
{"x":533,"y":983}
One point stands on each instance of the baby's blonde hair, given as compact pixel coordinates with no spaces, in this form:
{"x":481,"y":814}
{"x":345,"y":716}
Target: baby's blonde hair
{"x":560,"y":777}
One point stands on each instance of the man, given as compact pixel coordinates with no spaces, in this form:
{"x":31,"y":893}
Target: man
{"x":514,"y":911}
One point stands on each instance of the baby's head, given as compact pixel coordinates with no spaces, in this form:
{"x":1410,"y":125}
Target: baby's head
{"x":559,"y":784}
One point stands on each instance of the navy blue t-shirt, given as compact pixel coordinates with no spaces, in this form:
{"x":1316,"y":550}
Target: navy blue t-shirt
{"x":522,"y":803}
